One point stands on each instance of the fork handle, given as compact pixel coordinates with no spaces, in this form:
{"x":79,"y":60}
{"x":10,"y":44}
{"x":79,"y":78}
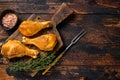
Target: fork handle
{"x":52,"y":64}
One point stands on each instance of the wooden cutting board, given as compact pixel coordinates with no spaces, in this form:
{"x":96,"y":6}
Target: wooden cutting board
{"x":62,"y":13}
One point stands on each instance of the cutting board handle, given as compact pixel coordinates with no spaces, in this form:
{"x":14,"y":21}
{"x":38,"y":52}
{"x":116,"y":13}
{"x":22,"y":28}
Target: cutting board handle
{"x":62,"y":13}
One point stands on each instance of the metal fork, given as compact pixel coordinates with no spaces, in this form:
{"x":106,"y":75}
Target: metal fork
{"x":73,"y":41}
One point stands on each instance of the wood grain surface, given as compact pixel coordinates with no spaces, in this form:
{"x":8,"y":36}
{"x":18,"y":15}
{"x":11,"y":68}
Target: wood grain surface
{"x":96,"y":56}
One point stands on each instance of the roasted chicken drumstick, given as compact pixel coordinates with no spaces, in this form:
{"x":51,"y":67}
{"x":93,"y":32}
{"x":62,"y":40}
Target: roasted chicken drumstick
{"x":14,"y":48}
{"x":29,"y":27}
{"x":44,"y":42}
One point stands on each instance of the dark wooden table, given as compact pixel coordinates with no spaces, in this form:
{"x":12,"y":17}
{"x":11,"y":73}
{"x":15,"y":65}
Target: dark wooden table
{"x":96,"y":56}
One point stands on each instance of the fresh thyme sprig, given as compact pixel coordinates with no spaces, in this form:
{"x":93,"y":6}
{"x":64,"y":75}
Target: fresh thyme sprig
{"x":37,"y":64}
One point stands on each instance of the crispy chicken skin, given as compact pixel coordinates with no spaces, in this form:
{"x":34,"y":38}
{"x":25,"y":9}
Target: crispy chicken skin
{"x":29,"y":27}
{"x":14,"y":48}
{"x":44,"y":42}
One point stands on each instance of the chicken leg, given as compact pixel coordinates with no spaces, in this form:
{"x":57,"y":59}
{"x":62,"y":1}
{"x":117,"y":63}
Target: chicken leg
{"x":44,"y":42}
{"x":29,"y":27}
{"x":14,"y":48}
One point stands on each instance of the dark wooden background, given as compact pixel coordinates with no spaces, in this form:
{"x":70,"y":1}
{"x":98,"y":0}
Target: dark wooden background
{"x":94,"y":57}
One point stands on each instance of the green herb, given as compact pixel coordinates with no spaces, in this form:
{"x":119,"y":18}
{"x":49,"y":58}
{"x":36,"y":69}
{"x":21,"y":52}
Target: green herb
{"x":37,"y":64}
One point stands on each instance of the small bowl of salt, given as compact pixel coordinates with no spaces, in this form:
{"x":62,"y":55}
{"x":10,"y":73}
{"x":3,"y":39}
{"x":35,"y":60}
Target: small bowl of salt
{"x":8,"y":19}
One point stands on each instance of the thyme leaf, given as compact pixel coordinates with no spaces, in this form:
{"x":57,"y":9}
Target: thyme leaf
{"x":37,"y":64}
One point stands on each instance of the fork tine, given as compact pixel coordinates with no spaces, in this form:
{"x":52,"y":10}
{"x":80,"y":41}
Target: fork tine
{"x":78,"y":36}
